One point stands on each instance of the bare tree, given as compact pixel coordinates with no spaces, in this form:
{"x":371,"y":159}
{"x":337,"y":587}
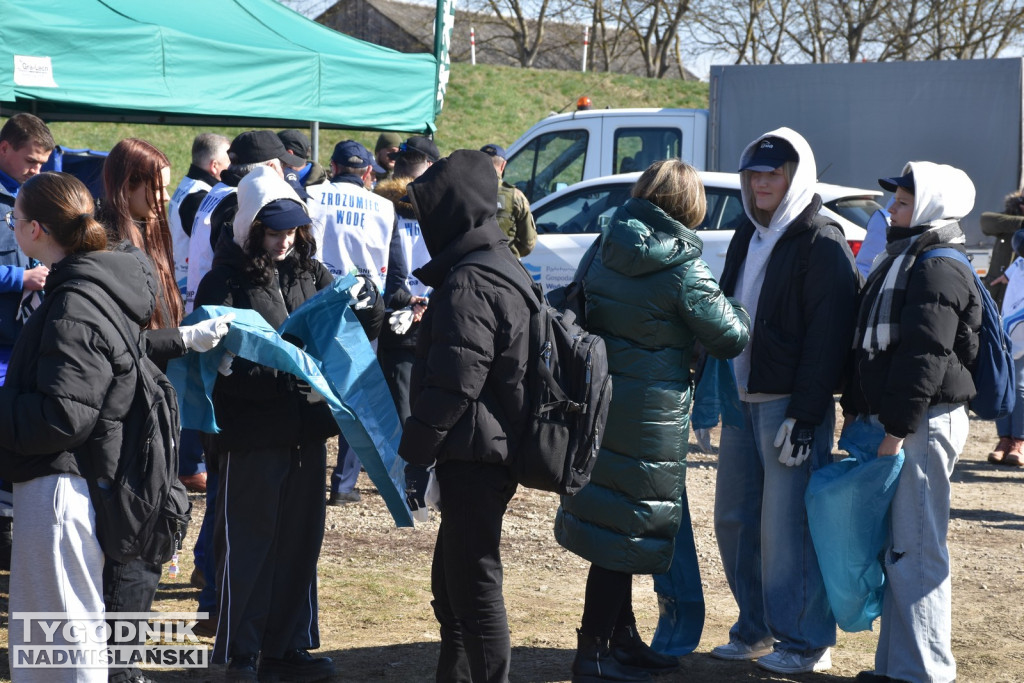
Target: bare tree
{"x":523,"y":23}
{"x":655,"y":25}
{"x":782,"y":31}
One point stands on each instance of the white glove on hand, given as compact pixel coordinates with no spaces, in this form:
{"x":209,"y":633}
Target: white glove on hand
{"x":225,"y":363}
{"x":795,"y":440}
{"x":401,"y":320}
{"x":204,"y":336}
{"x":361,"y":294}
{"x":432,"y":496}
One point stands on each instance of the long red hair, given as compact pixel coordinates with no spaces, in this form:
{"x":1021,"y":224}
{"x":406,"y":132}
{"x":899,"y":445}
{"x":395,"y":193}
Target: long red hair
{"x":130,"y":163}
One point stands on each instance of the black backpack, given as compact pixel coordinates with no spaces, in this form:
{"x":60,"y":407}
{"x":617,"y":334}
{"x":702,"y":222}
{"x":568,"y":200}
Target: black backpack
{"x":142,"y":509}
{"x":567,"y":386}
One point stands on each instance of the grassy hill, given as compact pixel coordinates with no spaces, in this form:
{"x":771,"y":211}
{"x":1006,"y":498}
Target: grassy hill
{"x":484,"y":104}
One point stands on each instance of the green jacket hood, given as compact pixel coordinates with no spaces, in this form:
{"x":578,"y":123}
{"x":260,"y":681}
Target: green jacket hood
{"x":641,"y":239}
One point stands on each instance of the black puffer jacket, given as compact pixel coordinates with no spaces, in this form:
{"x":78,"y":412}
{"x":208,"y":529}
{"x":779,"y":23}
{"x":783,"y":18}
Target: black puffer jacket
{"x":256,"y":406}
{"x":468,"y":399}
{"x":802,"y":331}
{"x":72,"y":378}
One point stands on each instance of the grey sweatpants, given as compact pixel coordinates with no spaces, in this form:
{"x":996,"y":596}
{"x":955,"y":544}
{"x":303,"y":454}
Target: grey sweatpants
{"x":56,"y":566}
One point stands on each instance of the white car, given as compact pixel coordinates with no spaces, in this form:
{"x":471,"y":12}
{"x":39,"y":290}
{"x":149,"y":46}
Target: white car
{"x":568,"y":220}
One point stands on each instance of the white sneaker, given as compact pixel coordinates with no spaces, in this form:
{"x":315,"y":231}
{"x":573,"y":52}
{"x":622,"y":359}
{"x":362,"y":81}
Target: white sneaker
{"x":737,"y":650}
{"x":789,"y":662}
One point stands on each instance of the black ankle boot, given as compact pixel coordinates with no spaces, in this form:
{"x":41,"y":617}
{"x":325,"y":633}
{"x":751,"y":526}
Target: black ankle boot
{"x":630,"y":649}
{"x":594,"y":663}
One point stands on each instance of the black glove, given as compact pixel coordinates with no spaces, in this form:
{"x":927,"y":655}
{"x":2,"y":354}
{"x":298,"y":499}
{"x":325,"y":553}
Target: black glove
{"x":416,"y":477}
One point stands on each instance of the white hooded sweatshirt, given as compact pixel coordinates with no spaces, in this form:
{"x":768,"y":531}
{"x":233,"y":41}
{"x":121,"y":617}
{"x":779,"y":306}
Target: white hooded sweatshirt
{"x":258,"y":188}
{"x":751,"y":278}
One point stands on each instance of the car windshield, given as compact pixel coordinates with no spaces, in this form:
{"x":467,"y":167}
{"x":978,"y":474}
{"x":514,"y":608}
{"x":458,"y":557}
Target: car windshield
{"x":855,"y":209}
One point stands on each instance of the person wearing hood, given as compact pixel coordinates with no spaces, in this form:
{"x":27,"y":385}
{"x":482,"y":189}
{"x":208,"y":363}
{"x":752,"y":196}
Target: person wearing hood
{"x":271,"y":450}
{"x":915,"y":345}
{"x":70,"y":389}
{"x":652,"y":299}
{"x":794,"y":272}
{"x":468,"y":407}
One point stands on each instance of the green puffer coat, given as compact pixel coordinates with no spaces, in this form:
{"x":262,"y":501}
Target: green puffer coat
{"x":651,"y":298}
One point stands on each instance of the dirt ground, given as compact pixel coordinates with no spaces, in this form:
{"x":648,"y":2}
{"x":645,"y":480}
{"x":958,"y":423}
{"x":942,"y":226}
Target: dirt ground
{"x":377,"y":624}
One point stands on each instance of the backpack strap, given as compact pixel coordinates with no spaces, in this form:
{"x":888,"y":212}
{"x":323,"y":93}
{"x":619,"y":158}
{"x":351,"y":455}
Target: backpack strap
{"x":947,"y":252}
{"x":514,"y":273}
{"x":111,"y":311}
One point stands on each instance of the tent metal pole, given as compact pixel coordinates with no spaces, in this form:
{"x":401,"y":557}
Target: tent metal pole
{"x":314,"y":139}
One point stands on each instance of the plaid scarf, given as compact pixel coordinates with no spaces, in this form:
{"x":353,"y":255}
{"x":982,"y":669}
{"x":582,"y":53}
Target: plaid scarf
{"x":878,"y":326}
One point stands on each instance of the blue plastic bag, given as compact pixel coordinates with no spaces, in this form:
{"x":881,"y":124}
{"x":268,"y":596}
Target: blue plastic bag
{"x":715,"y":395}
{"x":848,"y":513}
{"x":340,"y":365}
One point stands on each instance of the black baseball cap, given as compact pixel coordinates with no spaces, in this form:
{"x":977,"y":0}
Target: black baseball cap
{"x":418,"y":144}
{"x":353,"y":155}
{"x":296,"y":141}
{"x":905,"y":181}
{"x":257,"y":146}
{"x":494,"y":150}
{"x":771,"y":153}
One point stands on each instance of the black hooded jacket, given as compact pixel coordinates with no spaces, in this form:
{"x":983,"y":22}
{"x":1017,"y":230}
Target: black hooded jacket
{"x":468,"y":395}
{"x":72,"y":379}
{"x":802,"y":330}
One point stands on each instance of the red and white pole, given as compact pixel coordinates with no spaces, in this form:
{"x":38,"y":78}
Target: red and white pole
{"x":586,"y":43}
{"x":472,"y":46}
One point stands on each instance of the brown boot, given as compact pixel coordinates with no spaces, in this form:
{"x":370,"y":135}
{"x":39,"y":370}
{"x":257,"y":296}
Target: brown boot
{"x":999,"y":452}
{"x":1015,"y":456}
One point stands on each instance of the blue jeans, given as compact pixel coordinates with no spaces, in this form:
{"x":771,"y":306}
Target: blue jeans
{"x":761,"y":526}
{"x":190,"y":453}
{"x":346,"y":473}
{"x":203,"y":553}
{"x":916,"y":629}
{"x":1013,"y":424}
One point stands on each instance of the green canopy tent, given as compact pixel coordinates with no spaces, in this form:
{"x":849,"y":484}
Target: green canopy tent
{"x":205,"y":62}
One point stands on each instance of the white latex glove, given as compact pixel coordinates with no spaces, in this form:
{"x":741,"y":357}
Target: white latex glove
{"x":204,"y":336}
{"x":361,"y":294}
{"x":401,"y":320}
{"x":791,"y":455}
{"x":225,"y":363}
{"x":432,"y":496}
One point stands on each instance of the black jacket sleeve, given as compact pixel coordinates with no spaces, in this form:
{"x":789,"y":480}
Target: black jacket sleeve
{"x":829,"y":301}
{"x":925,"y":364}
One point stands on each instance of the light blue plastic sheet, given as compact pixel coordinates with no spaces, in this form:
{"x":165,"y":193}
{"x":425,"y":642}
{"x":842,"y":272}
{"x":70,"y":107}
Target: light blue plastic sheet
{"x":848,"y":508}
{"x":350,"y":381}
{"x":680,"y":595}
{"x":715,"y":395}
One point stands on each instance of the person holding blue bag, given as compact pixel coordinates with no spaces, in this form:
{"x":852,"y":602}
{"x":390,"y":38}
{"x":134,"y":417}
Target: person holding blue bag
{"x":271,"y":450}
{"x":915,"y":347}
